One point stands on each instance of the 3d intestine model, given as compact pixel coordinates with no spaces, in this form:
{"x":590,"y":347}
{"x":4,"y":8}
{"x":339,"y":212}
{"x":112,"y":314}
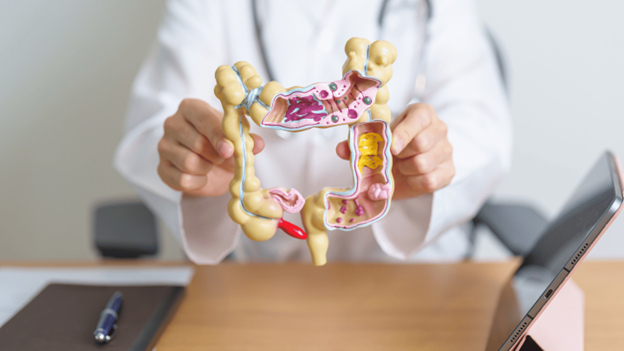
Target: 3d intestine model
{"x":359,"y":99}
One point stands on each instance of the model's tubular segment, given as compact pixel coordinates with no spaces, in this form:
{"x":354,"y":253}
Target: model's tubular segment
{"x":258,"y":211}
{"x":354,"y":208}
{"x":369,"y":199}
{"x":323,"y":104}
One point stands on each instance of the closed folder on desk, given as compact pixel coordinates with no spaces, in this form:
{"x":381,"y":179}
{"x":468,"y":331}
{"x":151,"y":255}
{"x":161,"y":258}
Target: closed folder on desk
{"x":63,"y":317}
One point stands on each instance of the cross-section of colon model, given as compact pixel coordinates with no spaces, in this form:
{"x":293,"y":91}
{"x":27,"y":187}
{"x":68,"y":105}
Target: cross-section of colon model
{"x":359,"y":99}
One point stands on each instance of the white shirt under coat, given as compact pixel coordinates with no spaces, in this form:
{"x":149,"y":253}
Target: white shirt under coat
{"x":305,"y":43}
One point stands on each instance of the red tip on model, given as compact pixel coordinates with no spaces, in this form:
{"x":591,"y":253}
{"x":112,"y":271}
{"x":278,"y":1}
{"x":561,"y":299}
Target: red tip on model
{"x":291,"y":229}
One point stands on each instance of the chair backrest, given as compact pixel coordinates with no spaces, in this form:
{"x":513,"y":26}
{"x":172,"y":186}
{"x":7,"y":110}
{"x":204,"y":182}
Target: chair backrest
{"x":517,"y":226}
{"x":124,"y":229}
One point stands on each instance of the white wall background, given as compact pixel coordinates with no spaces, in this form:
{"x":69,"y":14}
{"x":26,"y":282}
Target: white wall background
{"x":66,"y":67}
{"x":566,"y":63}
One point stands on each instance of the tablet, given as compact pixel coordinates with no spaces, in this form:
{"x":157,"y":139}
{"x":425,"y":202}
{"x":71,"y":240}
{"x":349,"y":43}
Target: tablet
{"x":562,"y":246}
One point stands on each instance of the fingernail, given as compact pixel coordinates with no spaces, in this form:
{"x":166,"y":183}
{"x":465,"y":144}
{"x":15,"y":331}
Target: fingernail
{"x":225,"y":149}
{"x":397,"y":145}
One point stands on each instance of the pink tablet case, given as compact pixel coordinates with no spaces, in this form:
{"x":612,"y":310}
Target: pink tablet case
{"x":560,"y":326}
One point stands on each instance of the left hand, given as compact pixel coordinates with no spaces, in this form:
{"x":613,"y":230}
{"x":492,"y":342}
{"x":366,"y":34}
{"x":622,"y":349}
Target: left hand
{"x":423,"y":155}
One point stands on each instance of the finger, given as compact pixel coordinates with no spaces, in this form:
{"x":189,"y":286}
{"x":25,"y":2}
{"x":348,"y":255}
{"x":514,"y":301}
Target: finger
{"x":207,"y":121}
{"x":182,"y":158}
{"x":434,"y":180}
{"x":230,"y":164}
{"x":412,"y":122}
{"x":178,"y":180}
{"x":343,"y":151}
{"x":186,"y":134}
{"x":258,"y":143}
{"x":425,"y":140}
{"x":426,"y":162}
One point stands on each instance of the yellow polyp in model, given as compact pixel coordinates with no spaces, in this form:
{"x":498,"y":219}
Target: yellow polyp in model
{"x":369,"y":149}
{"x":369,"y":143}
{"x":359,"y":100}
{"x":372,"y":162}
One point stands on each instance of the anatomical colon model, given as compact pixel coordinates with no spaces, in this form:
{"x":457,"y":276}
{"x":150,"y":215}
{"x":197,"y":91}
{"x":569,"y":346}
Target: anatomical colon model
{"x":359,"y":100}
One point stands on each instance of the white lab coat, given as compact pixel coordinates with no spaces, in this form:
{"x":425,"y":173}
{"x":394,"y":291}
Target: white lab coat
{"x":305,"y":43}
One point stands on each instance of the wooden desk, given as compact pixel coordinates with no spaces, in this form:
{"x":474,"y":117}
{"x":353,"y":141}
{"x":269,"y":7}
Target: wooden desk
{"x":362,"y":307}
{"x":368,"y":307}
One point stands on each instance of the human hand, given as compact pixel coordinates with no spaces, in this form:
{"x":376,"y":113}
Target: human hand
{"x":195,"y":156}
{"x":423,"y":155}
{"x":422,"y":161}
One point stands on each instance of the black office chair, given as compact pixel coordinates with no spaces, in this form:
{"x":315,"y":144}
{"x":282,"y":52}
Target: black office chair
{"x":124,"y":229}
{"x":516,"y":226}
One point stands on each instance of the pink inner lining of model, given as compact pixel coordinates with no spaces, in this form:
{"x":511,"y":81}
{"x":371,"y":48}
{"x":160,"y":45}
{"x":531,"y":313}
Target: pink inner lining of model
{"x":379,"y":191}
{"x":323,"y":104}
{"x":366,"y":208}
{"x":291,"y":201}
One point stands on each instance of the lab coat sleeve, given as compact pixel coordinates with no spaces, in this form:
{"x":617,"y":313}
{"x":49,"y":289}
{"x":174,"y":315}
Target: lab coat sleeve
{"x":465,"y":89}
{"x":181,"y":63}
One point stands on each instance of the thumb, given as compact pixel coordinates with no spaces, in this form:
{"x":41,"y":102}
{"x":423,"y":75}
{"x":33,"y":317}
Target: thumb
{"x":258,"y":143}
{"x":342,"y":150}
{"x":207,"y":121}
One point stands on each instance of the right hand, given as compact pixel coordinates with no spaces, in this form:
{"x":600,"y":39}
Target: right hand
{"x":195,"y":156}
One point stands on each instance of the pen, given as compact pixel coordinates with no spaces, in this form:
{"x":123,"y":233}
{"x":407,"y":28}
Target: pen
{"x":107,"y":324}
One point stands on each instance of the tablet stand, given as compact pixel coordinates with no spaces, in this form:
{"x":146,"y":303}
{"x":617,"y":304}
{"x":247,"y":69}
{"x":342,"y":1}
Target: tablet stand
{"x":560,"y":326}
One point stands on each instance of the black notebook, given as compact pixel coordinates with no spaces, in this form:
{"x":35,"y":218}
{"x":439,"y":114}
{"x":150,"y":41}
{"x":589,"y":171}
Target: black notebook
{"x":63,"y":317}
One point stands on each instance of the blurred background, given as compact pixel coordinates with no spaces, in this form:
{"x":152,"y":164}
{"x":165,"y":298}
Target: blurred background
{"x":66,"y":67}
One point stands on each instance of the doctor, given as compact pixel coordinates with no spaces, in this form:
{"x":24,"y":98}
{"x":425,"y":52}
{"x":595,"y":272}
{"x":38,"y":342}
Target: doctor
{"x":452,"y":132}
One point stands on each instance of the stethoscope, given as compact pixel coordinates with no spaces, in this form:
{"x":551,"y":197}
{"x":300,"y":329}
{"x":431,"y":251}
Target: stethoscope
{"x":421,"y":78}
